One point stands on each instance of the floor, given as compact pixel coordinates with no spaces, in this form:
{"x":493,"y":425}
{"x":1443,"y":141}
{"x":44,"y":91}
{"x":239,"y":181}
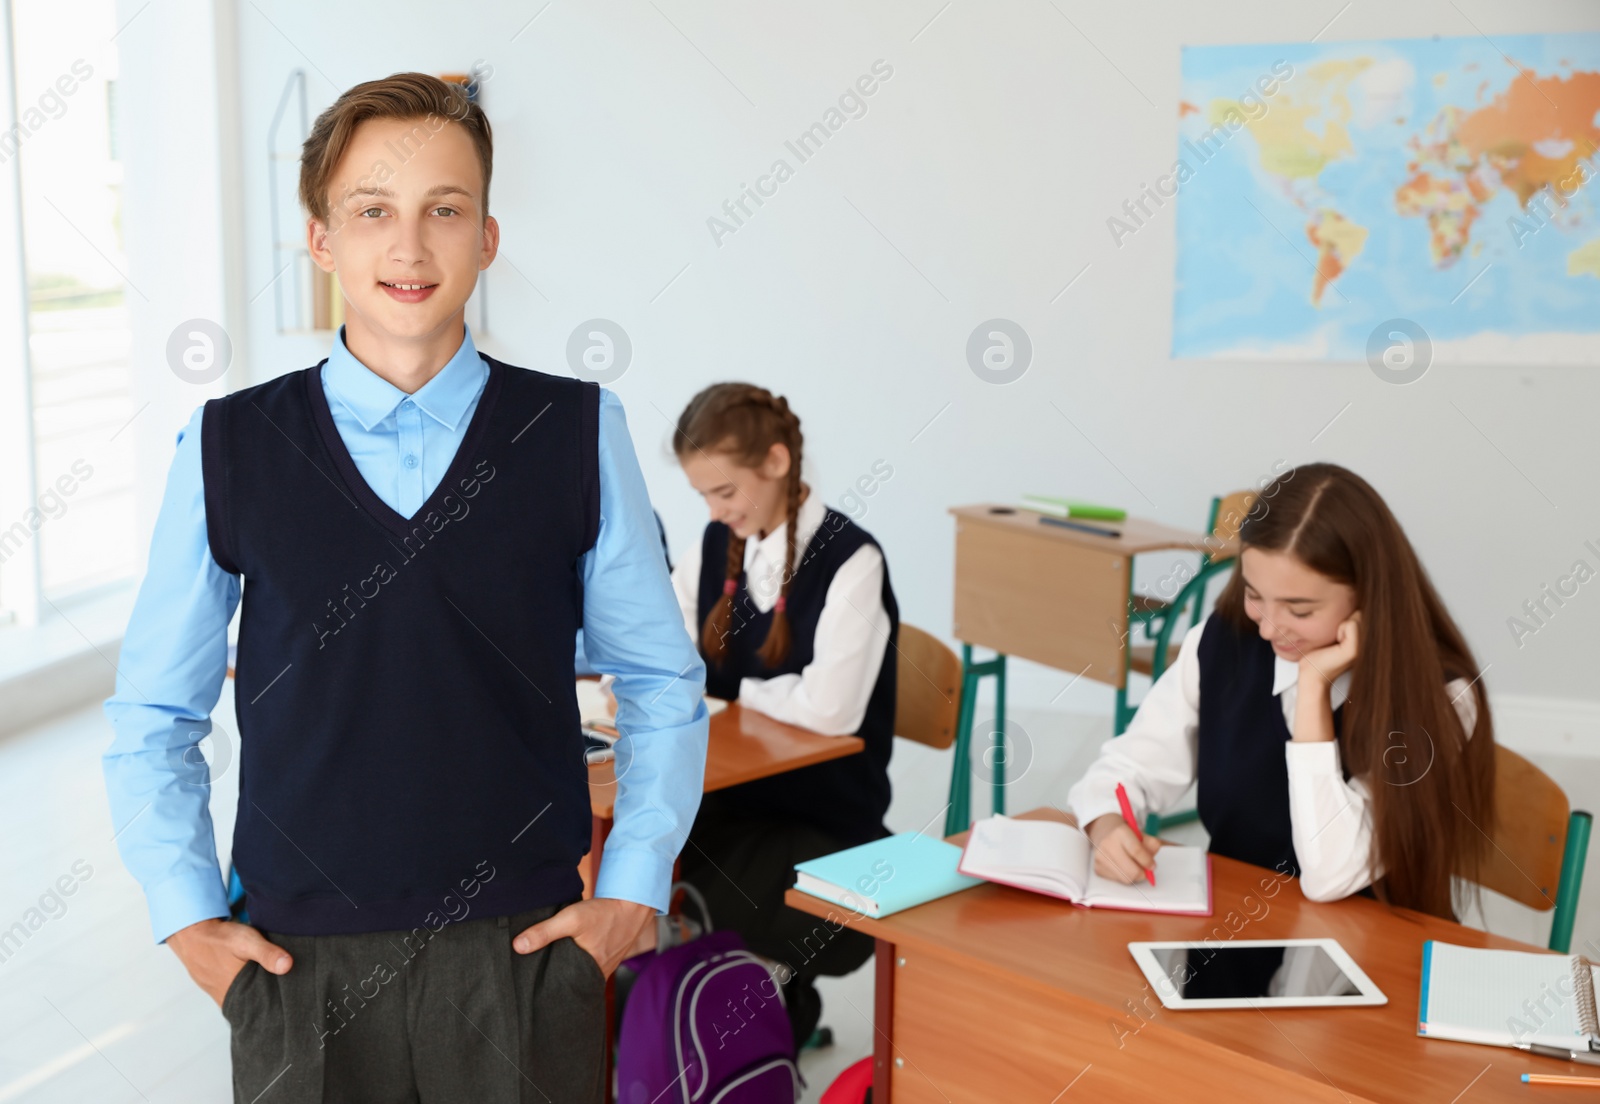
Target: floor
{"x":91,"y":1009}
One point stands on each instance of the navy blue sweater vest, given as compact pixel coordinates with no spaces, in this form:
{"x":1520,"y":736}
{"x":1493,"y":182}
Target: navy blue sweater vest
{"x":409,"y":731}
{"x":1242,"y":769}
{"x":847,"y":797}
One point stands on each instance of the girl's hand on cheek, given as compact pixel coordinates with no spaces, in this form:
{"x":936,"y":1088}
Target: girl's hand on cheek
{"x":1328,"y":663}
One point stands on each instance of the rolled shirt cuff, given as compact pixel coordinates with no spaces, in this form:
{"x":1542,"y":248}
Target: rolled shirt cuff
{"x":635,"y":874}
{"x":185,"y":899}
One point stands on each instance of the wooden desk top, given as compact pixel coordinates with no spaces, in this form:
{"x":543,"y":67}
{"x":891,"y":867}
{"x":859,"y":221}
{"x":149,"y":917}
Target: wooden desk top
{"x":1016,"y":938}
{"x":1139,"y":535}
{"x":744,"y":745}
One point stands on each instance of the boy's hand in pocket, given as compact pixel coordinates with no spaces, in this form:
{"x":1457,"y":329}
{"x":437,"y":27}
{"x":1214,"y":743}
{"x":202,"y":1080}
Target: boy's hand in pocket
{"x":604,"y":927}
{"x":215,"y":950}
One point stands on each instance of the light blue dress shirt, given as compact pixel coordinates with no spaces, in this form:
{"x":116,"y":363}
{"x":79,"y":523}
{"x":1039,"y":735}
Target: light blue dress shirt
{"x":175,"y":652}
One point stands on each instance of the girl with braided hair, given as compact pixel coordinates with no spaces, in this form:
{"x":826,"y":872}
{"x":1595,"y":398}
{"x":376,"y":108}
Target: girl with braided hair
{"x":791,"y":605}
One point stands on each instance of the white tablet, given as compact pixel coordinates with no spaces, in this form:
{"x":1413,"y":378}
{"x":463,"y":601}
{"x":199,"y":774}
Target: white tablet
{"x":1255,"y":973}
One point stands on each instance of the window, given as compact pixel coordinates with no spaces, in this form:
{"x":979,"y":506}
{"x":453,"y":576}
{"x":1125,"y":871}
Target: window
{"x":78,"y":515}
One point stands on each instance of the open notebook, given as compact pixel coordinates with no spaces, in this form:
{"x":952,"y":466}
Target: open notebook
{"x":1056,"y":859}
{"x":1507,"y":998}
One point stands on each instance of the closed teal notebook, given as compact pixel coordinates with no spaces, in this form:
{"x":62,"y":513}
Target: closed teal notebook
{"x":880,"y":878}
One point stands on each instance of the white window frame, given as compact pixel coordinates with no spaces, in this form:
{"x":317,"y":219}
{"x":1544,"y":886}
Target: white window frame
{"x":20,"y":583}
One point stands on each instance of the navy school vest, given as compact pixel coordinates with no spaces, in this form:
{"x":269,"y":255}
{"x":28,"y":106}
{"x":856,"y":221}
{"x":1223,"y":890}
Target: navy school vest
{"x":1242,"y":769}
{"x":408,"y":726}
{"x":846,"y":798}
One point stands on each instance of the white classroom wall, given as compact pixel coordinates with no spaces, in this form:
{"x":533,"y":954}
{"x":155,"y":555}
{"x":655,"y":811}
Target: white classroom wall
{"x":977,"y":185}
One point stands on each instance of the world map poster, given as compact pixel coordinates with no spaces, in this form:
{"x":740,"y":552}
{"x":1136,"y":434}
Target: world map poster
{"x":1325,"y":191}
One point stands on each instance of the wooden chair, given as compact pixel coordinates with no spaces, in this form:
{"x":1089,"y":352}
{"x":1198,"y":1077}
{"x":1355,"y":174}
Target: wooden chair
{"x":1540,"y":844}
{"x":929,"y":705}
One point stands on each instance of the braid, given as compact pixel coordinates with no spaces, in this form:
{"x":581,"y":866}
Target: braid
{"x":714,"y":634}
{"x":775,"y":648}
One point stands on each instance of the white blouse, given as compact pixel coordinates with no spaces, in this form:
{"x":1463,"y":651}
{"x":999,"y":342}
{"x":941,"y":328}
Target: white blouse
{"x":830,"y":694}
{"x":1155,"y":759}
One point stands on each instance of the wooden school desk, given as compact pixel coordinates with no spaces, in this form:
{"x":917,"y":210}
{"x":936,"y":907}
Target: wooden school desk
{"x":1043,"y":592}
{"x":997,"y":994}
{"x":743,"y":745}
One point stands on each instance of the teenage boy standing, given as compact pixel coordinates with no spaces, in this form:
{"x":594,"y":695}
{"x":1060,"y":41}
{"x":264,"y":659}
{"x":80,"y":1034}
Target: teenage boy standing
{"x":420,"y":531}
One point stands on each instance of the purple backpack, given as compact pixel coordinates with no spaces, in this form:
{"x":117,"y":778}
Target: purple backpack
{"x":705,"y":1024}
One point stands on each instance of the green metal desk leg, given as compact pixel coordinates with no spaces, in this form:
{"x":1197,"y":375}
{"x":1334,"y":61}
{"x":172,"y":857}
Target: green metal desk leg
{"x":1155,"y":823}
{"x":958,"y":817}
{"x":1121,"y":712}
{"x":957,"y":812}
{"x":1578,"y":826}
{"x":999,"y":772}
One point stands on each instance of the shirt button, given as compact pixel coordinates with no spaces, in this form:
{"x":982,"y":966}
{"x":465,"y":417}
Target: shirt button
{"x":411,"y":459}
{"x":406,"y":404}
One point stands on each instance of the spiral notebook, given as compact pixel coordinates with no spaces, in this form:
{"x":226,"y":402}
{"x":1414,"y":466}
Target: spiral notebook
{"x":1507,"y":998}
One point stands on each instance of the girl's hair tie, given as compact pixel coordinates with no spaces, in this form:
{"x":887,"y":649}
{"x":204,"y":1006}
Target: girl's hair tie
{"x":729,"y":586}
{"x":781,"y":603}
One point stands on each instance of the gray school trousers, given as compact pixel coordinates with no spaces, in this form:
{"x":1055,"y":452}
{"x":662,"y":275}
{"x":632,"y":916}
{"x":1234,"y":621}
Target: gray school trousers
{"x":448,"y":1017}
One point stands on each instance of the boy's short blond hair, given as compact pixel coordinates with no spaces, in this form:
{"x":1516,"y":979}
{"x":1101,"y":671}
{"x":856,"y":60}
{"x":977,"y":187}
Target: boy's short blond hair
{"x":431,"y":101}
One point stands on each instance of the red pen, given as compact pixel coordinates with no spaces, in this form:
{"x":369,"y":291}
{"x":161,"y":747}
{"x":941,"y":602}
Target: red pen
{"x":1127,"y":815}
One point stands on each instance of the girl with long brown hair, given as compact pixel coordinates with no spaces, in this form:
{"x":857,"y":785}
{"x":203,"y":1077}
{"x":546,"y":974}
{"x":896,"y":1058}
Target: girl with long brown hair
{"x":791,"y":605}
{"x":1329,"y":709}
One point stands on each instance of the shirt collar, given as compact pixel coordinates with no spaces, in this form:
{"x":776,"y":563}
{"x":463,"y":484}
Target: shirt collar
{"x":809,"y":520}
{"x":1286,"y":673}
{"x":371,"y":398}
